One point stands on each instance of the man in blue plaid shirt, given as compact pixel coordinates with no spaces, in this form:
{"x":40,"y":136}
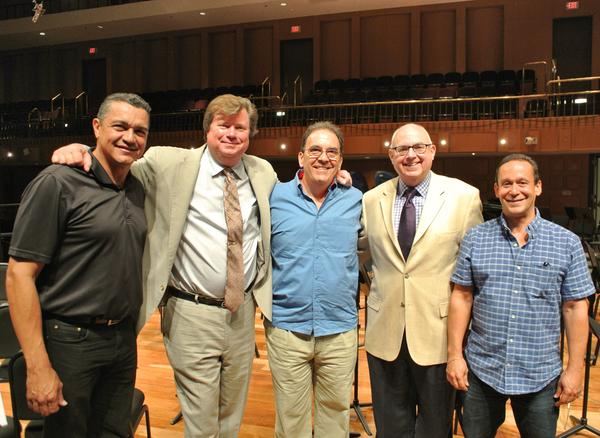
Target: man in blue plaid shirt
{"x":514,"y":276}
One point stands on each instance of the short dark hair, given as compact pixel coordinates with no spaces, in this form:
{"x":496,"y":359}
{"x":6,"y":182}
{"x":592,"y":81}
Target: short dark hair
{"x":519,"y":157}
{"x":323,"y":125}
{"x":229,"y":105}
{"x":130,"y":98}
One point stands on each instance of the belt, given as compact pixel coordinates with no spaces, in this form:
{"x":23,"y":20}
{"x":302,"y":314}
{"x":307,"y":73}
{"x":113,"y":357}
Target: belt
{"x":194,"y":297}
{"x":85,"y":320}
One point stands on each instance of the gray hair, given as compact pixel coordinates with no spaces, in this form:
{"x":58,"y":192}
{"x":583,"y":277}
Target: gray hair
{"x":327,"y":126}
{"x":130,"y":98}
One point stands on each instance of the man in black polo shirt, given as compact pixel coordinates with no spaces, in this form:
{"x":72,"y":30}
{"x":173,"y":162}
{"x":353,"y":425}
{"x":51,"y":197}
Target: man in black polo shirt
{"x":74,"y":279}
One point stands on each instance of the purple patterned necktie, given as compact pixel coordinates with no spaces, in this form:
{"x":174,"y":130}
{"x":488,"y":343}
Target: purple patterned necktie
{"x":408,"y":221}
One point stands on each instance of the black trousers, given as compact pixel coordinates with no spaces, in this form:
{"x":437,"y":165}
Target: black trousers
{"x":401,"y":388}
{"x":97,"y":366}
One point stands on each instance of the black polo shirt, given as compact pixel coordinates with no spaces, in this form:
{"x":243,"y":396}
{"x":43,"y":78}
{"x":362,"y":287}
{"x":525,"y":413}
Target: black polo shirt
{"x":90,"y":234}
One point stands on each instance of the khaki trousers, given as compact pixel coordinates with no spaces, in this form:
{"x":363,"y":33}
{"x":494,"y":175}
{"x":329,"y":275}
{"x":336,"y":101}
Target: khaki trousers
{"x":211,"y":352}
{"x":301,"y":364}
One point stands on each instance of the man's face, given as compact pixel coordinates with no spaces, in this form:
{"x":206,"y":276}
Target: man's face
{"x":121,"y":137}
{"x":412,"y":168}
{"x":229,"y":137}
{"x":320,"y":168}
{"x":517,"y":190}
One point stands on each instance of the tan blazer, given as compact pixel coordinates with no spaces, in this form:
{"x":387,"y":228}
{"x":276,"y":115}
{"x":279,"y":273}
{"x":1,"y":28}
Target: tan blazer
{"x":414,"y":295}
{"x":169,"y":175}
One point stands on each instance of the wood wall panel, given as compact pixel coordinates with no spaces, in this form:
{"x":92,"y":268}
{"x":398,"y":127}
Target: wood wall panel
{"x":222,"y":60}
{"x":189,"y":62}
{"x":123,"y":67}
{"x":335,"y":49}
{"x":155,"y":73}
{"x":258,"y":55}
{"x":485,"y":39}
{"x":438,"y":42}
{"x":385,"y":45}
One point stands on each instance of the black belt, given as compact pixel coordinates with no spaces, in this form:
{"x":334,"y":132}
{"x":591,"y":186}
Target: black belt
{"x":195,"y":298}
{"x":85,"y":320}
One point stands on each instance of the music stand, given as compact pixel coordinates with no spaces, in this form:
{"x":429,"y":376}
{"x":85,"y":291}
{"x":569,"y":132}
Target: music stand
{"x":582,"y":423}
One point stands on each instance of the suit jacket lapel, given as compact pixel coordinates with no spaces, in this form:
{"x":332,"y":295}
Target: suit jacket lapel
{"x":183,"y":190}
{"x":433,"y":204}
{"x":386,"y":203}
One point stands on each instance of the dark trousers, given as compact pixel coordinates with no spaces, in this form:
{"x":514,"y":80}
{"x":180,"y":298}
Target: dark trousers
{"x":484,"y":410}
{"x":399,"y":387}
{"x":97,"y":366}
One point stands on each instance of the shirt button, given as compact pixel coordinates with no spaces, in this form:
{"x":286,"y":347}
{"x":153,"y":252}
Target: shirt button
{"x":518,"y":267}
{"x":510,"y":340}
{"x":514,"y":244}
{"x":508,"y":364}
{"x":405,"y":275}
{"x":512,"y":316}
{"x":401,"y":304}
{"x":515,"y":291}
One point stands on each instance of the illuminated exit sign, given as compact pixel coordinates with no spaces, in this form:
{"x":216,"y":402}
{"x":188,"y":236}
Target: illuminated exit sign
{"x":295,"y":29}
{"x":572,"y":5}
{"x":92,"y":50}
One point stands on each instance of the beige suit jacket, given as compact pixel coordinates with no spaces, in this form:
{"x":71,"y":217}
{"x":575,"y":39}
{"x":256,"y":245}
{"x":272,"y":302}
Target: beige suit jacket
{"x":414,"y":295}
{"x":169,"y":175}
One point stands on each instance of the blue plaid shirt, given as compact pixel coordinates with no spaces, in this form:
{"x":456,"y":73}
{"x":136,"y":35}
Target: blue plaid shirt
{"x":514,"y":340}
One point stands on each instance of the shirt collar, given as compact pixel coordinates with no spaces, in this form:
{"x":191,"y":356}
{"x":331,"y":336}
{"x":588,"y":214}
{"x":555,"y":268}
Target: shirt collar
{"x":98,"y":173}
{"x":532,"y":227}
{"x":422,"y":187}
{"x":215,"y":167}
{"x":300,"y":175}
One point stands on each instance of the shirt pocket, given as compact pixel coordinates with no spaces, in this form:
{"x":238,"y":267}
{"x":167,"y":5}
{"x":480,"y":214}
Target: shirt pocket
{"x":543,"y":279}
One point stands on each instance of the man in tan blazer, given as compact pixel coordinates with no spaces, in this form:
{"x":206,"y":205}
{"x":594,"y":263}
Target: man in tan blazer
{"x":209,"y":347}
{"x":410,"y":292}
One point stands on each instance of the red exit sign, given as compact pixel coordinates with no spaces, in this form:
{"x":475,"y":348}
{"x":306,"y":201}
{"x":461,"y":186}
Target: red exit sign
{"x":295,"y":29}
{"x":572,"y":5}
{"x":92,"y":50}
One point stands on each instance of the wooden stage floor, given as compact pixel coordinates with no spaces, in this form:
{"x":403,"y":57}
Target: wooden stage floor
{"x":155,"y":379}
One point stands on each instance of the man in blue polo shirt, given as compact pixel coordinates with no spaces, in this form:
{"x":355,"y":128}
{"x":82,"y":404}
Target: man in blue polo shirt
{"x":311,"y":337}
{"x":516,"y":274}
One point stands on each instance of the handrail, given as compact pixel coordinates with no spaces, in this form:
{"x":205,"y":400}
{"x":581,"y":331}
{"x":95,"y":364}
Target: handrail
{"x":534,"y":63}
{"x":284,"y":98}
{"x":262,"y":86}
{"x":87,"y":108}
{"x":559,"y":80}
{"x":62,"y":107}
{"x":31,"y":112}
{"x":295,"y":96}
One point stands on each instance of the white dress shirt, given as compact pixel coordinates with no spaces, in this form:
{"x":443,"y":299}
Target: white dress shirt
{"x":200,"y":265}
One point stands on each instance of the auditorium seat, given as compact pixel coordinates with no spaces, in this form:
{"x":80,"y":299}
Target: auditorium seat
{"x":385,"y":82}
{"x":401,"y":81}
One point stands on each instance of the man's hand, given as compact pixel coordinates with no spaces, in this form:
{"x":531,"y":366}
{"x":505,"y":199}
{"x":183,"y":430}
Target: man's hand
{"x":44,"y":390}
{"x":74,"y":154}
{"x":569,"y":387}
{"x":456,"y":373}
{"x":343,"y":177}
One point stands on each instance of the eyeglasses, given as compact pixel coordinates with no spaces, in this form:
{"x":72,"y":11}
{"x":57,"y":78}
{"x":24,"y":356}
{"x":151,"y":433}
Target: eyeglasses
{"x":418,"y":148}
{"x":332,"y":154}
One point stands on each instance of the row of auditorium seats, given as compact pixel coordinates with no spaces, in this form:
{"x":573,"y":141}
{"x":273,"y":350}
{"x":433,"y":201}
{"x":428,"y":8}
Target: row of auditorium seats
{"x":509,"y":79}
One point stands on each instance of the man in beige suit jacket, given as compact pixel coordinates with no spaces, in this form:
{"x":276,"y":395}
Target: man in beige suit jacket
{"x":210,"y":348}
{"x":408,"y":303}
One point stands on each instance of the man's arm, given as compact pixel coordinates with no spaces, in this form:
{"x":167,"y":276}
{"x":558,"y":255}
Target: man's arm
{"x":44,"y":388}
{"x":575,"y":315}
{"x":74,"y":154}
{"x":459,"y":316}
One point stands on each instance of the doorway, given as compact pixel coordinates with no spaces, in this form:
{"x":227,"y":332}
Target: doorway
{"x":572,"y":50}
{"x":296,"y":62}
{"x":94,"y":83}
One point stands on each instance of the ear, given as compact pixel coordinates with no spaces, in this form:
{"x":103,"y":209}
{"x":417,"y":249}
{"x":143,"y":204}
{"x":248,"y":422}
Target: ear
{"x":496,"y":190}
{"x":300,"y":159}
{"x":96,"y":126}
{"x":538,"y":188}
{"x":433,"y":150}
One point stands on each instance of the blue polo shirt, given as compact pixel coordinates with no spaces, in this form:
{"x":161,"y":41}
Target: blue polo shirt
{"x":315,"y":265}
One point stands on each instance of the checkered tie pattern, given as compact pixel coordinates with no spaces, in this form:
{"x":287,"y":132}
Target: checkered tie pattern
{"x":234,"y":287}
{"x":406,"y":228}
